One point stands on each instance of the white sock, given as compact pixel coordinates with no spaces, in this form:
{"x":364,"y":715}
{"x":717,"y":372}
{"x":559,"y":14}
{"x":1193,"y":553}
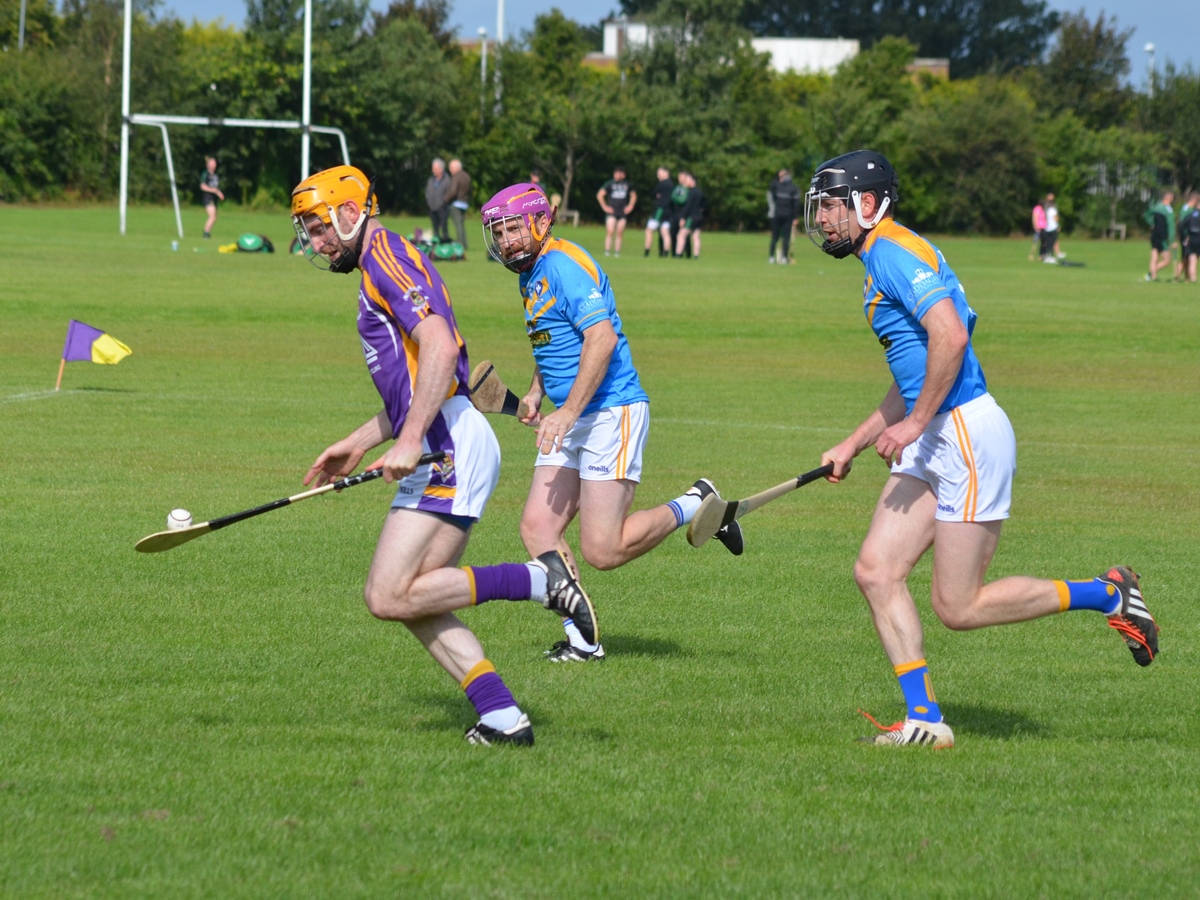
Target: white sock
{"x":575,"y":636}
{"x":537,"y":582}
{"x":685,"y":508}
{"x":502,"y":719}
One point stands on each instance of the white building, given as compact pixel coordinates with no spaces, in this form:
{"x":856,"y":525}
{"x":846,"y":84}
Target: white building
{"x":806,"y":55}
{"x":787,"y":54}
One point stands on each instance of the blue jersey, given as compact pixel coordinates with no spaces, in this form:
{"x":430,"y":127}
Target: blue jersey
{"x":566,"y":293}
{"x":906,"y":276}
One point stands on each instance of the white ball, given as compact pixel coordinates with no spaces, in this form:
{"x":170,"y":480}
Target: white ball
{"x":179,"y":518}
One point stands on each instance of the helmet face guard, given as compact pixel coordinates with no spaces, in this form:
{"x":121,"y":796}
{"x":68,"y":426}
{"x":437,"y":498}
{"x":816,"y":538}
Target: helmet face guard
{"x":316,"y":202}
{"x":838,"y":187}
{"x":510,"y":226}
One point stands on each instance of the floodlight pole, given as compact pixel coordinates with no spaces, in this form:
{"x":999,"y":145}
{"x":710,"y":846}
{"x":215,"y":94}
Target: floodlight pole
{"x":126,"y":50}
{"x":1149,"y":48}
{"x":499,"y":43}
{"x":21,"y":29}
{"x":482,"y":71}
{"x":306,"y":110}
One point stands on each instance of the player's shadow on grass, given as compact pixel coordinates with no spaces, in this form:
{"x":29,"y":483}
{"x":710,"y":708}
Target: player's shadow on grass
{"x":632,"y":645}
{"x":989,"y":721}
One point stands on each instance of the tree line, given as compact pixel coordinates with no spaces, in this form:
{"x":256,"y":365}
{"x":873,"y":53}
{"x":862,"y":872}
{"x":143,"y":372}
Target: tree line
{"x":1046,"y":108}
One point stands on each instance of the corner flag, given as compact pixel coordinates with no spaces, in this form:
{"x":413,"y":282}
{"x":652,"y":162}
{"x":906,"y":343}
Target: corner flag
{"x":87,"y":344}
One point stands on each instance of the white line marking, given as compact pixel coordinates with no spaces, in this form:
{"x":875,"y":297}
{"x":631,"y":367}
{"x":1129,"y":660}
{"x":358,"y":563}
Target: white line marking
{"x":32,"y":395}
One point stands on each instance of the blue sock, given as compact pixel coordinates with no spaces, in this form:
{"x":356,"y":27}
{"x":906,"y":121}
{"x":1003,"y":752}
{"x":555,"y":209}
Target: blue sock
{"x":918,"y":691}
{"x":1091,"y":594}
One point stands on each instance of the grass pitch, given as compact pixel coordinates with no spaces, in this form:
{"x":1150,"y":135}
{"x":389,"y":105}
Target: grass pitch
{"x":226,"y":719}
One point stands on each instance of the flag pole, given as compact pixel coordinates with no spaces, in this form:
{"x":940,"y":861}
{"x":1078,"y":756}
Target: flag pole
{"x":62,"y":364}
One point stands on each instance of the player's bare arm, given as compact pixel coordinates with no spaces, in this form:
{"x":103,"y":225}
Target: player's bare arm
{"x":632,"y":202}
{"x":888,"y":413}
{"x":601,"y":199}
{"x":342,"y":458}
{"x":599,"y":342}
{"x":435,"y":374}
{"x":948,"y":340}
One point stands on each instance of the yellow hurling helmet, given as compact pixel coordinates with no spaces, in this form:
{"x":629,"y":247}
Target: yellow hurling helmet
{"x":315,"y":205}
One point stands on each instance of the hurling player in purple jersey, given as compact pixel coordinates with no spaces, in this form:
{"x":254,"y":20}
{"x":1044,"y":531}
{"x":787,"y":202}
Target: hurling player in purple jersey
{"x":949,"y":448}
{"x":418,"y":361}
{"x":589,"y":458}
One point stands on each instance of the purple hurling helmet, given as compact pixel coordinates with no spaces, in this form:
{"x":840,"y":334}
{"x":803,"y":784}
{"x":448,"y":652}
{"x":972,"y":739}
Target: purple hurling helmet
{"x":518,"y":205}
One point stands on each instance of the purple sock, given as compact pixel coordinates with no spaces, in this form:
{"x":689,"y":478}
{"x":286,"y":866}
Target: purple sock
{"x":506,"y":581}
{"x":488,"y":693}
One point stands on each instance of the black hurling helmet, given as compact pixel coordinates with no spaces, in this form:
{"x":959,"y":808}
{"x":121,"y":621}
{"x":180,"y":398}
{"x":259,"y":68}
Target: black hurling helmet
{"x":847,"y":178}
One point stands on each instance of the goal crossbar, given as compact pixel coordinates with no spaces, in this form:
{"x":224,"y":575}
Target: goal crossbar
{"x":162,"y":121}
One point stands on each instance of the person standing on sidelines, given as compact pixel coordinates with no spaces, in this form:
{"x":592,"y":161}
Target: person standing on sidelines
{"x":210,"y":193}
{"x":690,"y":216}
{"x":418,"y":361}
{"x":785,"y":196}
{"x":458,"y":199}
{"x":589,"y":449}
{"x":1189,"y":238}
{"x":617,"y":198}
{"x":1161,"y":219}
{"x":1051,"y":252}
{"x":435,"y":198}
{"x":660,"y":217}
{"x":1039,"y":225}
{"x":949,"y":447}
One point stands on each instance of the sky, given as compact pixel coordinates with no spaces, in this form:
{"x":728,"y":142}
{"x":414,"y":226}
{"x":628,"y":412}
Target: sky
{"x":1173,"y":26}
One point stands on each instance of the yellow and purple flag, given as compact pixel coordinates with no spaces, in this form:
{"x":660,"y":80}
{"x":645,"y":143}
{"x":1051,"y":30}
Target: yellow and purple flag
{"x":87,"y":344}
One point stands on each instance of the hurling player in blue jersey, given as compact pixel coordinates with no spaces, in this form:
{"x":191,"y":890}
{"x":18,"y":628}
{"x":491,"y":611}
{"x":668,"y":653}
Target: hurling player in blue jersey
{"x":950,"y":449}
{"x":589,"y":457}
{"x":418,"y":361}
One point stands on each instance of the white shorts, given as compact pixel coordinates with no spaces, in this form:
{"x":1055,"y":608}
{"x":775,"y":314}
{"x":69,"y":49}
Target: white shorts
{"x":654,"y":224}
{"x":463,"y":490}
{"x":605,"y":445}
{"x":968,"y":456}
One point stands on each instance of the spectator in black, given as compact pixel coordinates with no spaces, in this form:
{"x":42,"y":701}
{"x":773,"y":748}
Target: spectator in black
{"x":435,"y":198}
{"x":458,"y":198}
{"x":617,"y":199}
{"x":660,"y":213}
{"x":786,"y":197}
{"x":210,"y":193}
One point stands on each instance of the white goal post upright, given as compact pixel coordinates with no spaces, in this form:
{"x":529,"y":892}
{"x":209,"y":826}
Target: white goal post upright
{"x":304,"y":126}
{"x":126,"y":52}
{"x":306,"y":102}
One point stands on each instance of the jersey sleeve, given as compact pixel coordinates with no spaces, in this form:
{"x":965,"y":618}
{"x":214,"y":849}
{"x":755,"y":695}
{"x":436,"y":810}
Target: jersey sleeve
{"x":911,"y":280}
{"x":402,"y":291}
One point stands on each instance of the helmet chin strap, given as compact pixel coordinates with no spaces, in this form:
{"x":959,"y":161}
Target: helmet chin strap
{"x":347,"y":261}
{"x":843,"y":247}
{"x":541,"y":238}
{"x":524,"y":264}
{"x":855,"y":196}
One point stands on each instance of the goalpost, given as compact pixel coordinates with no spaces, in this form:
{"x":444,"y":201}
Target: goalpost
{"x":304,"y":125}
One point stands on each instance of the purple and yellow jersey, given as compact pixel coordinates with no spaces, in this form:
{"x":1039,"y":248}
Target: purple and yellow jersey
{"x":906,"y":276}
{"x":400,"y":289}
{"x":566,"y":293}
